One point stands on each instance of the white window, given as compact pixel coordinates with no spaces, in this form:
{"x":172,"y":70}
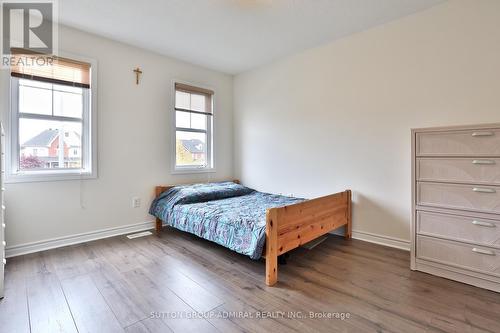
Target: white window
{"x":193,"y":121}
{"x":52,"y":116}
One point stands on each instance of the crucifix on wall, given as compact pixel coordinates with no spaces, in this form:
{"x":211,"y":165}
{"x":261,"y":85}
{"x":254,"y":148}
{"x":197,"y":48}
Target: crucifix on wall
{"x":138,"y":73}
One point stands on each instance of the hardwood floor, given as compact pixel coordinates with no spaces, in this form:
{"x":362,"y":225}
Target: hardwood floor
{"x":153,"y":284}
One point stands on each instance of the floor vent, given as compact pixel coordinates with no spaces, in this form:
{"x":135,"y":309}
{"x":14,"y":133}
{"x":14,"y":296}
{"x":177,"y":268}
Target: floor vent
{"x":139,"y":234}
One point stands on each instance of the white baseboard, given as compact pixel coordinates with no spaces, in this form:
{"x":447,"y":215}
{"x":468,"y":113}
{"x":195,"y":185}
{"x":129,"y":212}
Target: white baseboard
{"x":53,"y":243}
{"x":397,"y":243}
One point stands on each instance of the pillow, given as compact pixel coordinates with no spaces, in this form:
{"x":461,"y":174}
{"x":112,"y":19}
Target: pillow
{"x":211,"y":191}
{"x":188,"y":194}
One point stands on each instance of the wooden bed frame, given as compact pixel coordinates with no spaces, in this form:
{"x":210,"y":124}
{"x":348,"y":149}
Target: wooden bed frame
{"x":291,"y":226}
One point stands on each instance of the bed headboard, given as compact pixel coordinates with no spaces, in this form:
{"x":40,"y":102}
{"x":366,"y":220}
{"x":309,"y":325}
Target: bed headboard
{"x":162,"y":188}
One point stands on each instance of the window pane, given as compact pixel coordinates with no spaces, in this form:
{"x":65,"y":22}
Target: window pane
{"x":60,"y":87}
{"x":198,"y":103}
{"x":198,"y":121}
{"x":35,"y":98}
{"x":182,"y":119}
{"x":34,"y":83}
{"x":40,"y":141}
{"x":68,"y":104}
{"x":190,"y":149}
{"x":182,"y":100}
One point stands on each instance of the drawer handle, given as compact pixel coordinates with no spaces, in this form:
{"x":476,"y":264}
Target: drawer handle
{"x":484,"y":224}
{"x":484,"y":162}
{"x":484,"y":190}
{"x":482,"y":251}
{"x":477,"y":134}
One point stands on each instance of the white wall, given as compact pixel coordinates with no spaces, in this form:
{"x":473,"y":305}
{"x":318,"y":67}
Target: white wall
{"x":133,"y":144}
{"x":339,"y":116}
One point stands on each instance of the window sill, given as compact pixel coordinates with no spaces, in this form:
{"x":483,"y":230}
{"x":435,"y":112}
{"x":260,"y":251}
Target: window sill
{"x":192,"y":171}
{"x":48,"y":177}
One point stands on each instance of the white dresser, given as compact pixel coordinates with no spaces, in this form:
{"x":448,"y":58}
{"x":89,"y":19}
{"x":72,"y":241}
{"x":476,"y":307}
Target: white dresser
{"x":456,"y":203}
{"x":2,"y":217}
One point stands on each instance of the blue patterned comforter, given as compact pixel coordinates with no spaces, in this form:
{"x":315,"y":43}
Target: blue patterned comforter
{"x":226,"y":213}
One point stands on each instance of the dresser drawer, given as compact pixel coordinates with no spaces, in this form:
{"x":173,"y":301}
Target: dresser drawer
{"x":467,"y":229}
{"x":466,"y":197}
{"x":476,"y":258}
{"x":459,"y":170}
{"x":481,"y":142}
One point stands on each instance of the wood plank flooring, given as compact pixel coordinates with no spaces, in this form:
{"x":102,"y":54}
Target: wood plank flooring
{"x":180,"y":283}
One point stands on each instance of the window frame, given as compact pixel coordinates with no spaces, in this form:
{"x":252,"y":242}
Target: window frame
{"x":210,"y":144}
{"x":89,"y":134}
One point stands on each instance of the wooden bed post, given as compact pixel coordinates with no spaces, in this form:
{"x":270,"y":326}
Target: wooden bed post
{"x":271,"y":246}
{"x":158,"y":226}
{"x":158,"y":190}
{"x":348,"y":227}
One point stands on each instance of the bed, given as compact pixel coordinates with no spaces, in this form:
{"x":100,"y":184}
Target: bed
{"x":256,"y":224}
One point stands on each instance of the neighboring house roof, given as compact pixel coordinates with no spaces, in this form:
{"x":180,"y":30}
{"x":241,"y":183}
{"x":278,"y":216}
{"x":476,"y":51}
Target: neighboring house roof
{"x":194,"y":146}
{"x":45,"y":138}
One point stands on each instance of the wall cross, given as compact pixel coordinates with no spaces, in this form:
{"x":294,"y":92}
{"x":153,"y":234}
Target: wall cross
{"x":138,"y":73}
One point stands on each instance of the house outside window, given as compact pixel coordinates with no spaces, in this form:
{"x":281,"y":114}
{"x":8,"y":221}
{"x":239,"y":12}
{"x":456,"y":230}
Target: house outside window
{"x":52,"y":117}
{"x":193,"y":120}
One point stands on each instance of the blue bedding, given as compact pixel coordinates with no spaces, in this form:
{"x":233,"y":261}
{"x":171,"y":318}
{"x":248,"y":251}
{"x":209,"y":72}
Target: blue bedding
{"x":226,"y":213}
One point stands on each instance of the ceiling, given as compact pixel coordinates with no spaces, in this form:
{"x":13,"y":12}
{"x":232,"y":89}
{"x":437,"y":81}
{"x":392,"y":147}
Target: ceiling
{"x":231,"y":36}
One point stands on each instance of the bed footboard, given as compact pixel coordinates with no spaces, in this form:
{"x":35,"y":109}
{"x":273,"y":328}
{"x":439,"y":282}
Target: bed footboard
{"x":290,"y":226}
